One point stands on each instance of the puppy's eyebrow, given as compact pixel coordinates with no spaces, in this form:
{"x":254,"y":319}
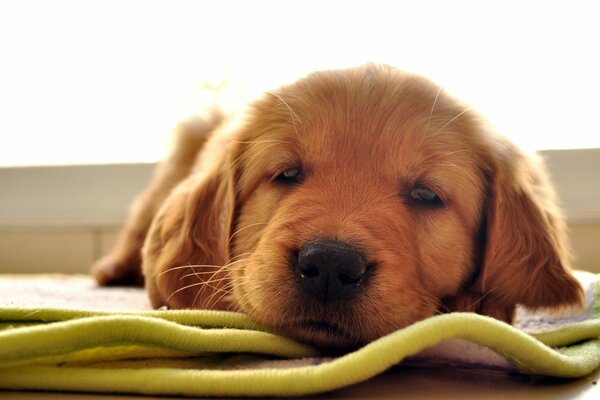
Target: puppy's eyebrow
{"x":428,"y":181}
{"x":257,"y":148}
{"x":266,"y":155}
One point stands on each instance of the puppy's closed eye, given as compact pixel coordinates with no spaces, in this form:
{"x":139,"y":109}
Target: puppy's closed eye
{"x":421,"y":195}
{"x":289,"y":176}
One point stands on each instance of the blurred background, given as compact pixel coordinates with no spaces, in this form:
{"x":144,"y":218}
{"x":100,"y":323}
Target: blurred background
{"x":90,"y":89}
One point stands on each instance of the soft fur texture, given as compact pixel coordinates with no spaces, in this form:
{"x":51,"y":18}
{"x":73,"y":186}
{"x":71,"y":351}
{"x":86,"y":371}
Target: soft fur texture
{"x":221,"y":229}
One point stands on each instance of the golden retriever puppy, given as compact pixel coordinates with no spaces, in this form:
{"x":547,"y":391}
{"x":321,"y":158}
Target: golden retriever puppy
{"x":343,"y":207}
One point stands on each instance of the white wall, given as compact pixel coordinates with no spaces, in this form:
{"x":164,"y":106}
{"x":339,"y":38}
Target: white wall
{"x":88,"y":81}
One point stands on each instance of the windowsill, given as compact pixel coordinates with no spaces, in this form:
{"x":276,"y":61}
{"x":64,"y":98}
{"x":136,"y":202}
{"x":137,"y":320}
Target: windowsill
{"x":60,"y":219}
{"x":100,"y":195}
{"x":575,"y":173}
{"x":73,"y":196}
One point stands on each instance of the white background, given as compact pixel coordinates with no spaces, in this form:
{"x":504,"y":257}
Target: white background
{"x":102,"y":81}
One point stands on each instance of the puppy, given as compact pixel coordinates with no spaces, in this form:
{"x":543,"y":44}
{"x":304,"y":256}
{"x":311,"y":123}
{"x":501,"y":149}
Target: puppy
{"x":343,"y":207}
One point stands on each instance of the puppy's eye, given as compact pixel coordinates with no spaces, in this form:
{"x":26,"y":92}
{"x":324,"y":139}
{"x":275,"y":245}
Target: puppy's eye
{"x":291,"y":175}
{"x":423,"y":196}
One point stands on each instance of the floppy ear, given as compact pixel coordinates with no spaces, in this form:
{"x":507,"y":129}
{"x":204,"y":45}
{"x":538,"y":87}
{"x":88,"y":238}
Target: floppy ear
{"x":188,"y":242}
{"x":525,"y":254}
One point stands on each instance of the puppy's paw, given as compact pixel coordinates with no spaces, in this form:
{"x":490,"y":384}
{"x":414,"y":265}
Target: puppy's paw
{"x":110,"y":271}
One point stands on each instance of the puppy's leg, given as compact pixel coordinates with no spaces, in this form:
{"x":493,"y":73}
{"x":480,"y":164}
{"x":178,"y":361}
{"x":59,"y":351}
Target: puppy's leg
{"x":122,"y":265}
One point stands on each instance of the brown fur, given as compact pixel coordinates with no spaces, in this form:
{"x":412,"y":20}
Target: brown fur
{"x":363,"y":137}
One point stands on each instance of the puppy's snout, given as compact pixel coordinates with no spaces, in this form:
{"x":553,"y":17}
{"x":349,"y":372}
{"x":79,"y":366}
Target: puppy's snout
{"x":330,"y":270}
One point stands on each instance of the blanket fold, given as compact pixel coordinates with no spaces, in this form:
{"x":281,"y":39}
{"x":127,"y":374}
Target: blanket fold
{"x":208,"y":353}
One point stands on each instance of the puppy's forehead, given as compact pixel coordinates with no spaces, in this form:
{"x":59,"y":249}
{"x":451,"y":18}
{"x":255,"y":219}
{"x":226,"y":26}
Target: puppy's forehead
{"x":353,"y":116}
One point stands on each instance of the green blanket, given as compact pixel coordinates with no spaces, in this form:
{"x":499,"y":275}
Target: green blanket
{"x":206,"y":353}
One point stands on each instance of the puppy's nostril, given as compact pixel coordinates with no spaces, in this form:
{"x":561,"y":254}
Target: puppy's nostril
{"x":346,"y":279}
{"x":309,"y":271}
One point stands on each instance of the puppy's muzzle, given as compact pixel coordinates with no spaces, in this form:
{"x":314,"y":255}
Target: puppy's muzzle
{"x":329,"y":269}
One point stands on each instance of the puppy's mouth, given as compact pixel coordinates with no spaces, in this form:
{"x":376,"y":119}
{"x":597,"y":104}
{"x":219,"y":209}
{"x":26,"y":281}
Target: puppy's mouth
{"x":322,"y":327}
{"x":326,"y":335}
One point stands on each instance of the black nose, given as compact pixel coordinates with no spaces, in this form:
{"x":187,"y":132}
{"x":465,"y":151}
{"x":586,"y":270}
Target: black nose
{"x":329,"y":269}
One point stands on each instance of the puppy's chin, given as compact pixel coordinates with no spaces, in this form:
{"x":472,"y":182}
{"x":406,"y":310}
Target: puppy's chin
{"x":330,"y":338}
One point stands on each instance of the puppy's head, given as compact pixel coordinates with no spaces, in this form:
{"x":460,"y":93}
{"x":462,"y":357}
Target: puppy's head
{"x":353,"y":203}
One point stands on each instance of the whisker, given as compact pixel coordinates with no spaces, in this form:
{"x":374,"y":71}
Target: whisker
{"x":241,"y":255}
{"x":205,"y":283}
{"x":428,"y":297}
{"x":455,"y":118}
{"x":225,"y":291}
{"x":189,"y":267}
{"x":245,"y":227}
{"x":184,"y":288}
{"x":196,"y":298}
{"x":470,"y":306}
{"x":292,"y":113}
{"x":215,"y":280}
{"x":432,"y":108}
{"x":211,"y":273}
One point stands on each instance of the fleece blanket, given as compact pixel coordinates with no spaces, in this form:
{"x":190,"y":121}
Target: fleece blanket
{"x":64,"y":334}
